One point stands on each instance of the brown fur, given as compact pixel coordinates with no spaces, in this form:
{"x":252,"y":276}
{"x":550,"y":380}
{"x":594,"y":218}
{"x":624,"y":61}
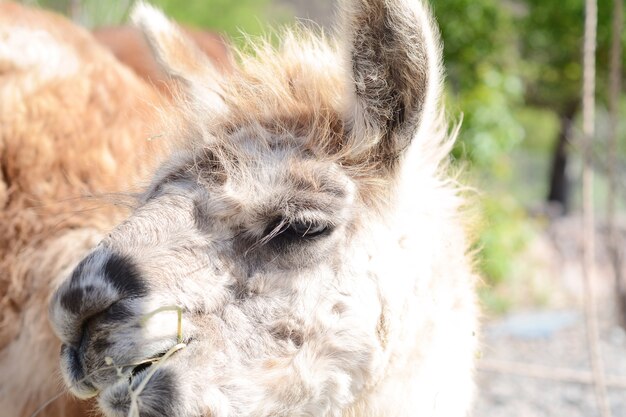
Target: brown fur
{"x":60,"y":141}
{"x":129,"y":47}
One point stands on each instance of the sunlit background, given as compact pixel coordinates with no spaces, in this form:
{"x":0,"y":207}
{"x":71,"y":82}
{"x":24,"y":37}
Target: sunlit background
{"x":514,"y":78}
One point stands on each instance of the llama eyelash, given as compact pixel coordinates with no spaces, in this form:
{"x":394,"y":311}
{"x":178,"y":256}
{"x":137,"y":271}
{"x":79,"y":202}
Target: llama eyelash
{"x":296,"y":229}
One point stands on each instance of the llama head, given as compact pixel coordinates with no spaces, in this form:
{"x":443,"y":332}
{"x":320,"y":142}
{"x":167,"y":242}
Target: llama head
{"x":263,"y":228}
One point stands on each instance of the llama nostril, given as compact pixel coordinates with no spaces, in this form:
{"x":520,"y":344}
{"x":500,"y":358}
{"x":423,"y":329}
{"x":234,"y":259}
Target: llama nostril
{"x":74,"y":372}
{"x":70,"y":354}
{"x":98,"y":284}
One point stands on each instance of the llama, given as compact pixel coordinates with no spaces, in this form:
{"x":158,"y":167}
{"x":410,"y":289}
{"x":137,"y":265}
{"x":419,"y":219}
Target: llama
{"x":303,"y":226}
{"x":130,"y":47}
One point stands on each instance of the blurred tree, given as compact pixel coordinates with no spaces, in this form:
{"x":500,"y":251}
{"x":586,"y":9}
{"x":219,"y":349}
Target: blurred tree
{"x":230,"y":17}
{"x":506,"y":59}
{"x":550,"y":35}
{"x":616,"y":252}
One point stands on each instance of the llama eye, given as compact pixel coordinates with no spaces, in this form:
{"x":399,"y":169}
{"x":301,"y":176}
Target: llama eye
{"x":307,"y":229}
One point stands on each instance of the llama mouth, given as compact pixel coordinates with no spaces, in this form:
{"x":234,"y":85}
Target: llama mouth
{"x":139,"y":369}
{"x":144,"y":366}
{"x":84,"y":386}
{"x":149,"y":384}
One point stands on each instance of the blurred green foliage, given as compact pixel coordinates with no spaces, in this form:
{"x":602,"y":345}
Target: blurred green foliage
{"x":550,"y":43}
{"x":89,"y":13}
{"x":485,"y":85}
{"x":230,"y":17}
{"x":477,"y":37}
{"x":514,"y":70}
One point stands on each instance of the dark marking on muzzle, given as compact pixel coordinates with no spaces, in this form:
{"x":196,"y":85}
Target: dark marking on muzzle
{"x":101,"y":344}
{"x":78,"y":272}
{"x":124,"y":275}
{"x":72,"y":299}
{"x":161,"y":396}
{"x":118,"y":312}
{"x":158,"y":399}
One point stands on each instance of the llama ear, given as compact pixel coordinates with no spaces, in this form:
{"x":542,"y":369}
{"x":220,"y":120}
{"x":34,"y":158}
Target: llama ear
{"x":395,"y":57}
{"x":179,"y":57}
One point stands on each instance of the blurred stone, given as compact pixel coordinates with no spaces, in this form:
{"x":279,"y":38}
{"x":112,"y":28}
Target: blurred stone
{"x":533,"y":324}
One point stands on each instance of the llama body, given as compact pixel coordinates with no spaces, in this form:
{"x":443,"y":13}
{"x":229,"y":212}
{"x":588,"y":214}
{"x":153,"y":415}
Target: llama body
{"x":304,"y":227}
{"x":130,"y":47}
{"x":67,"y":130}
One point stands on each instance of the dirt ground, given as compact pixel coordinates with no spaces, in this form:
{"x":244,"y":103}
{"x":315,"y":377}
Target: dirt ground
{"x":554,"y":340}
{"x":550,"y":342}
